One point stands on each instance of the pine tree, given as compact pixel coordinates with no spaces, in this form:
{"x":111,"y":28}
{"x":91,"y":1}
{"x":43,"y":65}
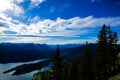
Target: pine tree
{"x":86,"y":65}
{"x":74,"y":72}
{"x":66,"y":70}
{"x":57,"y":65}
{"x":112,"y":51}
{"x":100,"y":61}
{"x":106,"y":56}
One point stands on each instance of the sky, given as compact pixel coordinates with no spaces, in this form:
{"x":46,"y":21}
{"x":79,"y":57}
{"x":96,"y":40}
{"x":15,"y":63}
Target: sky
{"x":56,"y":21}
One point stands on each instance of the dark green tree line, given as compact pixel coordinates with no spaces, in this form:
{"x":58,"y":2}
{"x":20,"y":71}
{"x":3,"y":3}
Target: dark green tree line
{"x":106,"y":57}
{"x":74,"y":70}
{"x":86,"y":72}
{"x":57,"y":65}
{"x":100,"y":66}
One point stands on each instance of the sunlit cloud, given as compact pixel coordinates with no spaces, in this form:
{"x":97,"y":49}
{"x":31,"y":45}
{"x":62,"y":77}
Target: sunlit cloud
{"x":10,"y":7}
{"x":17,"y":21}
{"x":58,"y":28}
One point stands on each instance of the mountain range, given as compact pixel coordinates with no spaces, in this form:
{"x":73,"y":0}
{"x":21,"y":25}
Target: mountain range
{"x":13,"y":53}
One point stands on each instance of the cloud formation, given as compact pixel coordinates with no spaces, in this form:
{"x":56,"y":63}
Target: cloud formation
{"x":35,"y":3}
{"x":17,"y":24}
{"x":49,"y":27}
{"x":11,"y":7}
{"x":60,"y":28}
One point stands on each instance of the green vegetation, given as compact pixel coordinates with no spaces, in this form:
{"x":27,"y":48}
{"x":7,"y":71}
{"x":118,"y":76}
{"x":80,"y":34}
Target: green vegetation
{"x":57,"y":66}
{"x":104,"y":65}
{"x":74,"y":72}
{"x":106,"y":57}
{"x":86,"y":72}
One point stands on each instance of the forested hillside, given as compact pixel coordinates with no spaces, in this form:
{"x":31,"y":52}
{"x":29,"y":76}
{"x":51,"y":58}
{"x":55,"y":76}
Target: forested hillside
{"x":103,"y":65}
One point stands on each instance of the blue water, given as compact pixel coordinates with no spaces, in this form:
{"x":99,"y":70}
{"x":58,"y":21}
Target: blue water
{"x":4,"y":67}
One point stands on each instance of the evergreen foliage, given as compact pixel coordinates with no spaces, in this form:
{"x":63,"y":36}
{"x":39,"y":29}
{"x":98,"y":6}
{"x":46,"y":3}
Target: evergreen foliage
{"x":86,"y":65}
{"x":66,"y":70}
{"x":102,"y":66}
{"x":74,"y":72}
{"x":106,"y":57}
{"x":57,"y":65}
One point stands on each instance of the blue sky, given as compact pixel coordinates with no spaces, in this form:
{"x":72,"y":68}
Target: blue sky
{"x":56,"y":21}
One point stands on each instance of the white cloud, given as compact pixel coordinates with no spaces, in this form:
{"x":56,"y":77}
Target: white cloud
{"x":19,"y":1}
{"x":33,"y":20}
{"x":27,"y":40}
{"x":8,"y":10}
{"x":73,"y":26}
{"x":74,"y":41}
{"x":76,"y":24}
{"x":5,"y":17}
{"x":10,"y":7}
{"x":35,"y":3}
{"x":60,"y":27}
{"x":45,"y":40}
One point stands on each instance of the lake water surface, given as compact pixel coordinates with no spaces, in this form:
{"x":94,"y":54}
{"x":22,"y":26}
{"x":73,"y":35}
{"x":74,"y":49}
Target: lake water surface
{"x":8,"y":76}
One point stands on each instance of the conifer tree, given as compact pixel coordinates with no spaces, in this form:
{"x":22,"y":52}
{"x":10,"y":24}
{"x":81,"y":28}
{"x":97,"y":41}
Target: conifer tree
{"x":57,"y":65}
{"x":66,"y":69}
{"x":86,"y":65}
{"x":74,"y":72}
{"x":100,"y":62}
{"x":106,"y":56}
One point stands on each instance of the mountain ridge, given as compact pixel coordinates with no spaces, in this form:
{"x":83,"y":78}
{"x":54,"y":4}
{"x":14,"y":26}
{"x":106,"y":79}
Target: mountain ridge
{"x":21,"y":52}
